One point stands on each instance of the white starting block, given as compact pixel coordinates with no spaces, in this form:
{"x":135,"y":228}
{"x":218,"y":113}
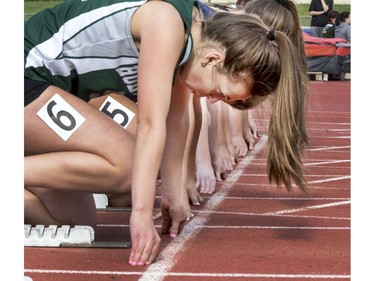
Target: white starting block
{"x":79,"y":236}
{"x":101,"y":201}
{"x":53,"y":236}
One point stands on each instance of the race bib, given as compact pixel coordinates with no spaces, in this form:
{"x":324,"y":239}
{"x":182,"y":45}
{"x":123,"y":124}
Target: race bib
{"x":61,"y":117}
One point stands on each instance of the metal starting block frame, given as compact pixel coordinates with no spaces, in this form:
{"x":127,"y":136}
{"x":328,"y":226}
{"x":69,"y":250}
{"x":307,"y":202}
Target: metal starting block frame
{"x":79,"y":236}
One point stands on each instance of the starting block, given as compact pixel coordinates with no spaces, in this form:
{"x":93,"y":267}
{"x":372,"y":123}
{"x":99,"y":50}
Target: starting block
{"x":53,"y":236}
{"x":101,"y":203}
{"x":80,"y":236}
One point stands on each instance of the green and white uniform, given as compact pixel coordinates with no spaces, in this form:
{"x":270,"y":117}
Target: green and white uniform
{"x":86,"y":47}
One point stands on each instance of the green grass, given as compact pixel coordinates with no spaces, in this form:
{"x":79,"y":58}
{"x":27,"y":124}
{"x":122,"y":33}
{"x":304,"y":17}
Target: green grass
{"x":32,"y":7}
{"x":305,"y":18}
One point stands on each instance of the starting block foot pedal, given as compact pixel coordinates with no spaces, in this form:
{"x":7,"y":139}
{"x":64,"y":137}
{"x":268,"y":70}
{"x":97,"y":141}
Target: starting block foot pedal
{"x":80,"y":236}
{"x":53,"y":236}
{"x":101,"y":203}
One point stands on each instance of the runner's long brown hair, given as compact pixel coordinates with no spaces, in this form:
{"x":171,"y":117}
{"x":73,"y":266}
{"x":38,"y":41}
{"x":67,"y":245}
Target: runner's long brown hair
{"x":270,"y":63}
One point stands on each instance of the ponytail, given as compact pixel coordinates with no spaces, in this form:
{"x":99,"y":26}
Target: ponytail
{"x":287,"y":133}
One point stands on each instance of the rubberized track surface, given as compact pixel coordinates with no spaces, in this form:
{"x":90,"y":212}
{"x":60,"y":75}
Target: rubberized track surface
{"x":248,"y":229}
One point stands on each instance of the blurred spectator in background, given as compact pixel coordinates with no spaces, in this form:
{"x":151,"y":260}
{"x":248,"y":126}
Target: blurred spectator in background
{"x":318,"y":11}
{"x":343,"y":27}
{"x":333,"y":21}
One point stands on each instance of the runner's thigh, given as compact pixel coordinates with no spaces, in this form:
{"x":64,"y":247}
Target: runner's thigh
{"x":59,"y":121}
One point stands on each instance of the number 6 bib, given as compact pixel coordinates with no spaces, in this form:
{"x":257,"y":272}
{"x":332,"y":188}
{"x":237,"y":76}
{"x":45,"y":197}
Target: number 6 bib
{"x":61,"y":117}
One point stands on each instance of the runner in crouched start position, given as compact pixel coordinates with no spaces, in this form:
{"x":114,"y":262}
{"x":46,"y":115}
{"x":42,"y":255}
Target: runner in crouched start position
{"x":155,"y":53}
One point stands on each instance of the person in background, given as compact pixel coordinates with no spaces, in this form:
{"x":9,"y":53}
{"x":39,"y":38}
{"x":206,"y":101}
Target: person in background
{"x":333,"y":20}
{"x":343,"y":27}
{"x":318,"y":11}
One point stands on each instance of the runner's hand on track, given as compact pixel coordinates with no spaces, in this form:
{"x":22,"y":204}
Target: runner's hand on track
{"x":145,"y":239}
{"x":175,"y":214}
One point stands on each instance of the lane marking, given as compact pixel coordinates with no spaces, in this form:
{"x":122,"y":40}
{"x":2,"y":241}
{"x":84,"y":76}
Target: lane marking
{"x":279,"y":198}
{"x":263,"y":163}
{"x":327,"y":162}
{"x":272,"y":186}
{"x":332,"y":137}
{"x":277,"y":227}
{"x":323,"y":159}
{"x":166,"y":257}
{"x":330,"y":123}
{"x":286,"y":198}
{"x":330,"y":130}
{"x":326,"y":111}
{"x":327,"y":148}
{"x":339,"y":188}
{"x":307,"y":176}
{"x":275,"y":215}
{"x":157,"y":275}
{"x":308,"y":208}
{"x":329,"y":180}
{"x":247,"y":226}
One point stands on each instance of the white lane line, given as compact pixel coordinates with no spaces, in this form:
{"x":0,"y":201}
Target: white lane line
{"x":321,"y":159}
{"x":326,"y":162}
{"x":277,"y":227}
{"x":338,"y":188}
{"x":329,"y":130}
{"x":307,"y":208}
{"x":327,"y":148}
{"x":188,"y":274}
{"x":327,"y":113}
{"x":166,"y":257}
{"x":286,"y":198}
{"x":307,"y":176}
{"x":246,"y":226}
{"x":330,"y":123}
{"x":275,"y":215}
{"x":329,"y":180}
{"x":332,"y":137}
{"x":240,"y":198}
{"x":273,"y":187}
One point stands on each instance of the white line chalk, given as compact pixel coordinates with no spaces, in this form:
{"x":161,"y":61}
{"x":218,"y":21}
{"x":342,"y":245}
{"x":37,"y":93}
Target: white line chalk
{"x":307,"y":208}
{"x":328,"y":148}
{"x":329,"y":180}
{"x":157,"y":275}
{"x":326,"y":162}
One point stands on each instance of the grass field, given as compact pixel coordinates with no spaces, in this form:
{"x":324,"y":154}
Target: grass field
{"x":32,"y":7}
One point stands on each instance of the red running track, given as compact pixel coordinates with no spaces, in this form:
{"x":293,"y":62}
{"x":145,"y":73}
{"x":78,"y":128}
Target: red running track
{"x":248,"y":229}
